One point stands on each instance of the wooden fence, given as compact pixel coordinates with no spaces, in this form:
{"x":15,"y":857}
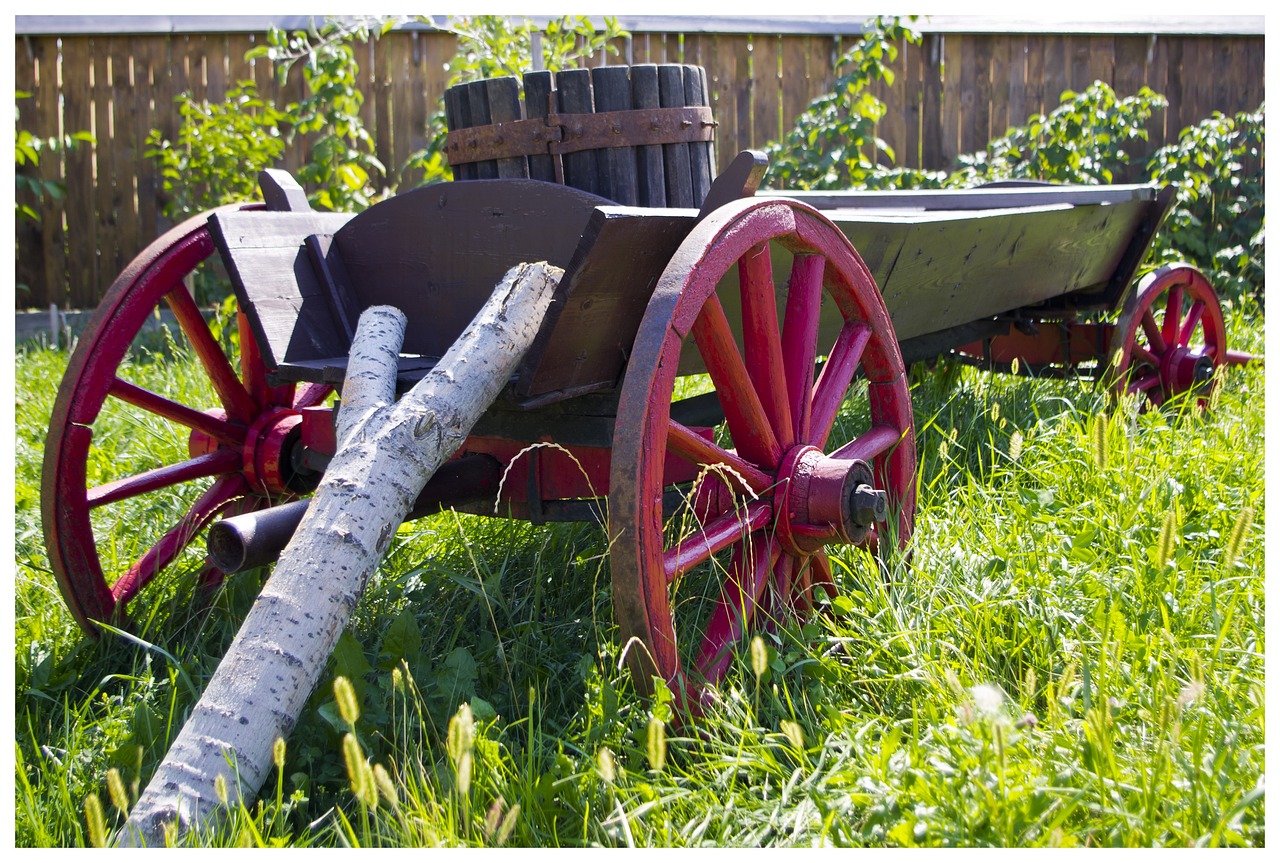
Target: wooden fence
{"x":952,"y":94}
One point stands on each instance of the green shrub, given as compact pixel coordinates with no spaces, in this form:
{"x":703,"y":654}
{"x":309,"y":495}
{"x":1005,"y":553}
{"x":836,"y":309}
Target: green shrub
{"x":220,"y":148}
{"x":1218,"y":223}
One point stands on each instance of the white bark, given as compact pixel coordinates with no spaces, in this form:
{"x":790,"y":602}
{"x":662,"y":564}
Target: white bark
{"x":387,"y":450}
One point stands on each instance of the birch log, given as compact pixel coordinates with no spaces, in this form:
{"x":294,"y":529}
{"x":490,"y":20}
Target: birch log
{"x":386,"y":453}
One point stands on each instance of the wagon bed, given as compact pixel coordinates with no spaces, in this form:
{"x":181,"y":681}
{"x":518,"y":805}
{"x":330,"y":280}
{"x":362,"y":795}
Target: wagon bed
{"x":947,"y":263}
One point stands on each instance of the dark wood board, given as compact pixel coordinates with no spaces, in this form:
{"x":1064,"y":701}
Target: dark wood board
{"x":588,"y":334}
{"x":437,"y":252}
{"x":277,"y":286}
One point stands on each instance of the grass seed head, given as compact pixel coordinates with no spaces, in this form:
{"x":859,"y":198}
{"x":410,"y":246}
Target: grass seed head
{"x":345,"y":694}
{"x":1236,"y":540}
{"x":759,"y":657}
{"x":277,"y":753}
{"x":657,"y":744}
{"x":115,"y":787}
{"x":95,"y":821}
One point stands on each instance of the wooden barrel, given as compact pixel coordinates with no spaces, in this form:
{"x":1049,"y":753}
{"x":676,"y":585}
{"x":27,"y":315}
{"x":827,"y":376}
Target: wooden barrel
{"x":638,"y":135}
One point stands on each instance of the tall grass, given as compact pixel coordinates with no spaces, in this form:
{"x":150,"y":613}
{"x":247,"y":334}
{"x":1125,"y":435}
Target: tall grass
{"x":1072,"y":654}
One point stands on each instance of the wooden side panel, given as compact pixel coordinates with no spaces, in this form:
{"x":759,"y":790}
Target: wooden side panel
{"x":82,"y":249}
{"x":437,"y":252}
{"x":276,"y":282}
{"x":953,"y":271}
{"x":587,"y":337}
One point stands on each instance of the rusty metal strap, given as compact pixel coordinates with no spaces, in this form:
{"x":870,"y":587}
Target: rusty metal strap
{"x":571,"y":133}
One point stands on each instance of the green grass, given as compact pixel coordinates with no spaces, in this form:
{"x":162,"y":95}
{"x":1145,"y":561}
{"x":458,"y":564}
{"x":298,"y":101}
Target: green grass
{"x":1072,"y":656}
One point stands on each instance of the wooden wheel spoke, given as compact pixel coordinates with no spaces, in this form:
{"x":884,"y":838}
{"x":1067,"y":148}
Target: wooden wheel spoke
{"x":1194,"y":315}
{"x":717,"y":535}
{"x":1172,"y":316}
{"x":1154,"y":338}
{"x":800,"y":336}
{"x":311,"y":395}
{"x":748,"y":423}
{"x":695,"y":449}
{"x":212,"y":464}
{"x":163,"y":406}
{"x":237,"y":400}
{"x":821,"y":566}
{"x":736,"y":606}
{"x":1145,"y":356}
{"x":218,"y":496}
{"x":762,"y":340}
{"x":871,"y":444}
{"x":833,"y":383}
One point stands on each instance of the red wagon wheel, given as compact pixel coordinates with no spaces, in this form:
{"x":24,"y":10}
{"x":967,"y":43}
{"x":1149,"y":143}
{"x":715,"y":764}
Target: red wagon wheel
{"x":218,"y":451}
{"x":750,"y":546}
{"x":1170,"y":337}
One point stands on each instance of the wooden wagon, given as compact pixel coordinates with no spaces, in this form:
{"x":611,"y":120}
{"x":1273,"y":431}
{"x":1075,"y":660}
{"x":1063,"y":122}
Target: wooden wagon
{"x":704,"y":344}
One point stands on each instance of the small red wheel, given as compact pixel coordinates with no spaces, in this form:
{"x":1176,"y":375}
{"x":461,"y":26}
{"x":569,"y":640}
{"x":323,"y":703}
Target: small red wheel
{"x":750,"y":545}
{"x":1170,"y":337}
{"x":224,"y":450}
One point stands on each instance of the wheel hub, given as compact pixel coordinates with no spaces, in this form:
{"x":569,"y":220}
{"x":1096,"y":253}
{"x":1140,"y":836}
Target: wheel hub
{"x":266,"y":452}
{"x":1186,"y":369}
{"x":820,"y":500}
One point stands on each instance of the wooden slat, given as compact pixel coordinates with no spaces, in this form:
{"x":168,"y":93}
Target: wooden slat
{"x":766,"y":104}
{"x":911,"y":80}
{"x":702,"y":159}
{"x":675,"y":157}
{"x":932,"y":153}
{"x":504,"y":107}
{"x":1017,"y":71}
{"x":650,"y":179}
{"x":29,"y":270}
{"x":617,"y":165}
{"x":537,"y":91}
{"x":127,"y":151}
{"x":1056,"y":71}
{"x":82,"y":250}
{"x":1035,"y":100}
{"x":476,"y":94}
{"x":795,"y":78}
{"x":999,"y":93}
{"x":574,"y":89}
{"x":951,"y":97}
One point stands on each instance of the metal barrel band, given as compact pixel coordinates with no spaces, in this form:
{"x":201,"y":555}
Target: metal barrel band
{"x":557,"y":134}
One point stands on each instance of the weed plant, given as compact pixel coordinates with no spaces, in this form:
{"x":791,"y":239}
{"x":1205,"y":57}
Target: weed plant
{"x":1071,"y":654}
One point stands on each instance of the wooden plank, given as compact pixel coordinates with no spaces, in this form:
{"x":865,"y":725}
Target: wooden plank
{"x":650,"y":181}
{"x":149,"y":74}
{"x":82,"y":241}
{"x":998,"y":113}
{"x":1173,"y":123}
{"x":910,"y":85}
{"x":932,"y":153}
{"x":1034,"y":99}
{"x":1158,"y":80}
{"x":954,"y":271}
{"x":277,"y":285}
{"x":1130,"y":76}
{"x":1253,"y":75}
{"x":104,"y":157}
{"x":952,"y":90}
{"x":32,"y":288}
{"x":1057,"y":76}
{"x":432,"y":252}
{"x":969,"y":133}
{"x":766,"y":106}
{"x":537,"y":96}
{"x":1017,"y":81}
{"x":980,"y":115}
{"x":476,"y":96}
{"x":795,"y":75}
{"x":574,"y":89}
{"x":617,"y":165}
{"x":504,"y":107}
{"x":1102,"y":59}
{"x":128,"y":151}
{"x":379,"y":96}
{"x":702,"y":160}
{"x":585,"y":341}
{"x":676,"y":168}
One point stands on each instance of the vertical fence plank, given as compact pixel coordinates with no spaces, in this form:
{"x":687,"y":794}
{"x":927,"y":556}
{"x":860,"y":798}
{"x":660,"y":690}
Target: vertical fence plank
{"x":795,"y":78}
{"x":1034,"y":100}
{"x":979,"y":125}
{"x":400,"y":68}
{"x":911,"y":83}
{"x":1057,"y":76}
{"x":999,"y":114}
{"x":77,"y":59}
{"x":766,"y":105}
{"x":1017,"y":82}
{"x":952,"y":90}
{"x":31,"y":287}
{"x":932,"y":151}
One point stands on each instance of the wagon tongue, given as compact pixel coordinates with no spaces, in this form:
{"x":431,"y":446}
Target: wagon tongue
{"x":825,"y":500}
